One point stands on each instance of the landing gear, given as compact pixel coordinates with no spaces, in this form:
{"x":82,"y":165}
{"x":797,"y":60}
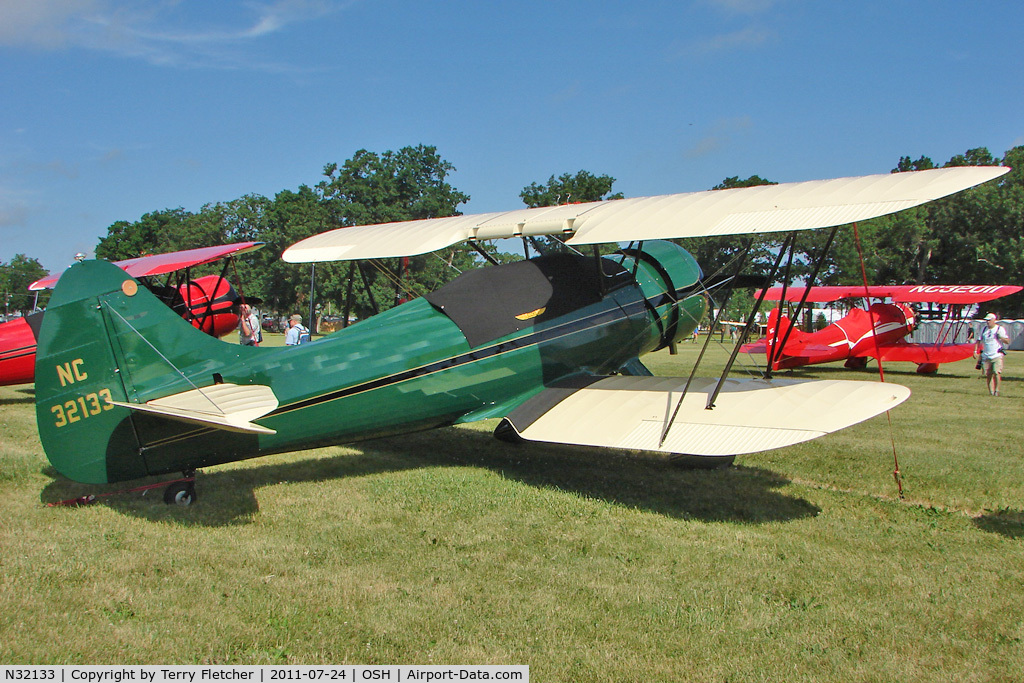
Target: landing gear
{"x":182,"y":492}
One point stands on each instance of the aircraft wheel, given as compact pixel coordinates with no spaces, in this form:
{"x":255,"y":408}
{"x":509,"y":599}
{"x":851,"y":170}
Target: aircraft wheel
{"x":180,"y":493}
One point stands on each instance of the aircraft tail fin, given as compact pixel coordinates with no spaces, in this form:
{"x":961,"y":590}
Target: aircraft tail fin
{"x":107,"y":343}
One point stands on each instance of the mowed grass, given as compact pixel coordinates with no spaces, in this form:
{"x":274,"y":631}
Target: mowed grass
{"x":451,"y":547}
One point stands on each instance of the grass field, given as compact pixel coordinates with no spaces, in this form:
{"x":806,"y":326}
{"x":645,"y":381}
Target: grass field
{"x":449,"y":547}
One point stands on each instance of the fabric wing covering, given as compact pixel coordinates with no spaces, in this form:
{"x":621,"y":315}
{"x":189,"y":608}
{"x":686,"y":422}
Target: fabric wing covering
{"x":750,"y":415}
{"x":766,"y":208}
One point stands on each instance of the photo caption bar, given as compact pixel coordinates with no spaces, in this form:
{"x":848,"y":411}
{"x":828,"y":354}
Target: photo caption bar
{"x":348,"y":673}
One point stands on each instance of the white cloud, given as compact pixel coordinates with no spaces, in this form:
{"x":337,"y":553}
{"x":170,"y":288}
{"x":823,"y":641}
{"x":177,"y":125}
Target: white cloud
{"x":42,"y":23}
{"x":744,"y":39}
{"x":163,"y":32}
{"x":718,"y":137}
{"x":13,"y":215}
{"x":742,"y":6}
{"x":14,"y":209}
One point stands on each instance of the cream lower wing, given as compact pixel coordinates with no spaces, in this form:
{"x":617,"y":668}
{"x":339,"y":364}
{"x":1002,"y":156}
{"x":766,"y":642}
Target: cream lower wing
{"x":223,"y":406}
{"x":750,"y":415}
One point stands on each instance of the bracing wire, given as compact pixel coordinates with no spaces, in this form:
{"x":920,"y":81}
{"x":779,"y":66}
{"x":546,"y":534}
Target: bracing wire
{"x":897,"y":475}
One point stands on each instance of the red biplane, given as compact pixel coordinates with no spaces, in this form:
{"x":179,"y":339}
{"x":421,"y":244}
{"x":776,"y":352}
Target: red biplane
{"x":877,"y":332}
{"x":208,"y":302}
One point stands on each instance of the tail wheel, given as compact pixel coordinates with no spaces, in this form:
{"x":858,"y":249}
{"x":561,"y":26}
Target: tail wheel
{"x":180,"y":493}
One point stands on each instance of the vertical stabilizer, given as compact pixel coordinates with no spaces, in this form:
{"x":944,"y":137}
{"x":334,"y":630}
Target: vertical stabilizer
{"x":104,"y":340}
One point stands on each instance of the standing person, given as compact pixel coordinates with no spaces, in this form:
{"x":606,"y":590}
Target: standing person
{"x":293,"y":337}
{"x":991,"y":347}
{"x":248,"y":326}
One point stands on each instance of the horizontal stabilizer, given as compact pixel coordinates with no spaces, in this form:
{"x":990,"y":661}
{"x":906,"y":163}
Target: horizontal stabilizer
{"x":223,"y":406}
{"x":750,"y":415}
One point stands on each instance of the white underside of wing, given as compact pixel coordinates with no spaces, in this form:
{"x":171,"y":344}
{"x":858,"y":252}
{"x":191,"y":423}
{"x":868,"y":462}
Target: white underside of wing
{"x":749,"y":415}
{"x":223,"y":406}
{"x":749,"y":210}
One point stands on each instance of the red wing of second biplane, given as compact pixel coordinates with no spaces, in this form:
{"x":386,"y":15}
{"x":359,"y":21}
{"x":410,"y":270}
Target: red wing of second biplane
{"x":878,"y":332}
{"x":940,"y":294}
{"x":161,"y":264}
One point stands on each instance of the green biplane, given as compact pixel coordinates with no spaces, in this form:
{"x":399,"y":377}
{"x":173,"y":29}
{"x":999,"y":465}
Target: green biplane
{"x":126,"y":389}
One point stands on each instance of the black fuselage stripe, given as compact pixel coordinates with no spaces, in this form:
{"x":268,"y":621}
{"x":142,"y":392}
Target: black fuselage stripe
{"x":18,"y":353}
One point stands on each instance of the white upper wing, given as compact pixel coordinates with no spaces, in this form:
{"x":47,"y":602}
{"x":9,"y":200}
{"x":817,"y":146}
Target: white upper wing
{"x":761,"y":209}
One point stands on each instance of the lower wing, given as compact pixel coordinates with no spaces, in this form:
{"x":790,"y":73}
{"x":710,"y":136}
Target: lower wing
{"x":749,"y":415}
{"x":924,"y":353}
{"x":794,"y":349}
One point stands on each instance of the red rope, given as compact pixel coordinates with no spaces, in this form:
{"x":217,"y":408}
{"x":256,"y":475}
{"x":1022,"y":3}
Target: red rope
{"x":92,"y":497}
{"x":878,"y":354}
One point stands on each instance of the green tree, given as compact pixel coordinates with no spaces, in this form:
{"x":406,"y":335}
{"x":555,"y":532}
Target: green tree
{"x":371,"y":188}
{"x":290,"y":217}
{"x":972,"y":237}
{"x":368,"y":188}
{"x":906,"y":164}
{"x":151,"y":234}
{"x":569,"y":189}
{"x":734,"y":182}
{"x":15,"y":277}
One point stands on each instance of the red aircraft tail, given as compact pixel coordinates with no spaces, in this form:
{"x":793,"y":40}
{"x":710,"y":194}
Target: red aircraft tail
{"x":775,"y":337}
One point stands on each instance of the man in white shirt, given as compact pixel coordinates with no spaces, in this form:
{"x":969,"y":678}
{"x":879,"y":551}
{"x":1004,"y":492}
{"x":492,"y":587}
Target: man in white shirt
{"x":295,"y":331}
{"x":991,"y":346}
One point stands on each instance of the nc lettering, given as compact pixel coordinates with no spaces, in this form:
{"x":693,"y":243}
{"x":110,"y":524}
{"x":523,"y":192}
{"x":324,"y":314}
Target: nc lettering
{"x":72,"y":372}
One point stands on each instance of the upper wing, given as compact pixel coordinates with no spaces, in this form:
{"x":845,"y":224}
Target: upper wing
{"x":749,"y":415}
{"x":761,"y":209}
{"x":166,"y":263}
{"x":943,"y":294}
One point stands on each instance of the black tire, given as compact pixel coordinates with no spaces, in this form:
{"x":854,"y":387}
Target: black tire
{"x":180,"y":493}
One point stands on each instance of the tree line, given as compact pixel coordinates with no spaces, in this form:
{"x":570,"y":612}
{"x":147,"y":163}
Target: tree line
{"x":974,"y":237}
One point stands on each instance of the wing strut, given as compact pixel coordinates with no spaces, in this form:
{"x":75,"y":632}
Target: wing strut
{"x":773,"y":347}
{"x":803,"y":301}
{"x":787,"y":245}
{"x":747,"y":243}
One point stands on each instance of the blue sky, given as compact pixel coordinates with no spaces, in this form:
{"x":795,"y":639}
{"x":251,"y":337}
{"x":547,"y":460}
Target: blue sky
{"x":113,"y":108}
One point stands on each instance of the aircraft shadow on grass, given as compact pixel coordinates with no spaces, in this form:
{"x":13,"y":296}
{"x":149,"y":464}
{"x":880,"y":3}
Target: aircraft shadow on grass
{"x":229,"y":497}
{"x":29,"y":397}
{"x":1008,"y":523}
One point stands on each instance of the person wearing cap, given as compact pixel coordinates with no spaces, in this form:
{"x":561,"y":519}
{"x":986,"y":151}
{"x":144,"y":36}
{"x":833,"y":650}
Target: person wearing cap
{"x":295,"y":330}
{"x":991,"y":346}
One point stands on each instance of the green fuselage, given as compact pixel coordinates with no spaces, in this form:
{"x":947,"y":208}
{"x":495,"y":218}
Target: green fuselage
{"x":406,"y":369}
